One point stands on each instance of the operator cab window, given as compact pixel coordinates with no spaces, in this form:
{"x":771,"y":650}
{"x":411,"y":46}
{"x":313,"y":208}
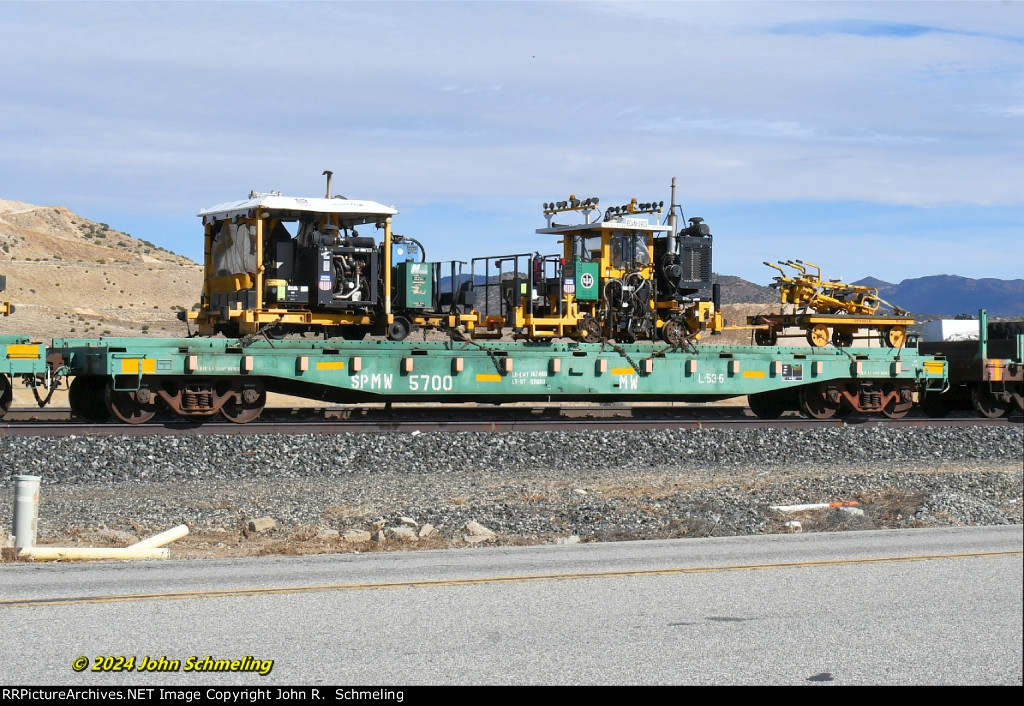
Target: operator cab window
{"x":629,"y":250}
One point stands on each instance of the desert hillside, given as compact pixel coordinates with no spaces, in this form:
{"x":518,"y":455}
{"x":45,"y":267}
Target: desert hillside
{"x":69,"y":276}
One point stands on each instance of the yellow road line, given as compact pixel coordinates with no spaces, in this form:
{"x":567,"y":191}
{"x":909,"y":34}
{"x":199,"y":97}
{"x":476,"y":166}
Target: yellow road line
{"x":431,"y":583}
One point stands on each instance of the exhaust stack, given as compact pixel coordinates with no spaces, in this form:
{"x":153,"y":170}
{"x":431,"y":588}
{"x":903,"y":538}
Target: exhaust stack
{"x":329,"y":174}
{"x":673,"y":224}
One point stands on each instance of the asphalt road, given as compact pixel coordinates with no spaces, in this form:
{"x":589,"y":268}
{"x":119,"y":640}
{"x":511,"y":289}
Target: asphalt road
{"x":900,"y":607}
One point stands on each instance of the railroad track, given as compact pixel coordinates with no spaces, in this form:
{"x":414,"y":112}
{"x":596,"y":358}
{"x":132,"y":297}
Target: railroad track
{"x":358,"y":420}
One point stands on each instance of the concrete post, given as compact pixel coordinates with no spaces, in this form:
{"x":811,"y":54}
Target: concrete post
{"x":26,"y":510}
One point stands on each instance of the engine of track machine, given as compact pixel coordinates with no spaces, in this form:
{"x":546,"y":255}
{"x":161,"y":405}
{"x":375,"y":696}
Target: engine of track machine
{"x":277,"y":264}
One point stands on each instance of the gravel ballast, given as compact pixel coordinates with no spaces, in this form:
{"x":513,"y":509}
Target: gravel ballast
{"x":526,"y":487}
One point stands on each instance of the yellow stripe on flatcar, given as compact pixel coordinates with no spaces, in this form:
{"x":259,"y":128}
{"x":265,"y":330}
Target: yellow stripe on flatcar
{"x":488,"y":378}
{"x":23,"y":352}
{"x":130,"y":366}
{"x":330,"y":365}
{"x":753,"y":373}
{"x":934,"y":367}
{"x":623,"y":371}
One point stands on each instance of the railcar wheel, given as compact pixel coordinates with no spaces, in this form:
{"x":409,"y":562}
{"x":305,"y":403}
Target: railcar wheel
{"x":399,"y":329}
{"x":590,"y":330}
{"x":894,"y":337}
{"x":86,"y":398}
{"x":987,"y":404}
{"x":935,"y":405}
{"x":249,"y":407}
{"x":275,"y":332}
{"x":897,"y":407}
{"x":766,"y":336}
{"x":766,"y":405}
{"x":6,"y":395}
{"x":123,"y":405}
{"x":674,"y":332}
{"x":815,"y":403}
{"x":818,"y":336}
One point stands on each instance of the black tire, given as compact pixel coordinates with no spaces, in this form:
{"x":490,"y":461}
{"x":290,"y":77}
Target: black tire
{"x":766,"y":337}
{"x":674,"y":332}
{"x":276,"y":332}
{"x":399,"y":329}
{"x":590,"y":329}
{"x":353,"y":333}
{"x":842,"y":339}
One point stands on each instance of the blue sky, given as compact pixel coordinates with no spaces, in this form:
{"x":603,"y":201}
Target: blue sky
{"x":878,"y":138}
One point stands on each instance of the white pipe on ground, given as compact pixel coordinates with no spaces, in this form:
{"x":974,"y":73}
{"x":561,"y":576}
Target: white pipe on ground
{"x":88,"y":553}
{"x":811,"y":506}
{"x":159,"y":540}
{"x":150,"y":548}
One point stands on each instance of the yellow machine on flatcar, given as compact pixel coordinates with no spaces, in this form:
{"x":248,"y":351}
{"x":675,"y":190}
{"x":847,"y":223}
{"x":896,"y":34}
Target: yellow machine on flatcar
{"x":277,"y":265}
{"x":827,"y":310}
{"x":622,"y":276}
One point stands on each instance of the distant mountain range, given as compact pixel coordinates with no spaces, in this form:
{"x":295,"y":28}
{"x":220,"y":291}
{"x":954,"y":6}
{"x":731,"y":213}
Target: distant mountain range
{"x":950,"y":295}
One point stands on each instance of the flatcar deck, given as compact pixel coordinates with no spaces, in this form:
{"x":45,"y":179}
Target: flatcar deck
{"x":197,"y":376}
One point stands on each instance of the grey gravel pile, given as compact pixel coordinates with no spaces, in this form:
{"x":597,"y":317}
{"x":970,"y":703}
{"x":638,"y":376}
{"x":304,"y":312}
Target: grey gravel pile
{"x":595,"y":485}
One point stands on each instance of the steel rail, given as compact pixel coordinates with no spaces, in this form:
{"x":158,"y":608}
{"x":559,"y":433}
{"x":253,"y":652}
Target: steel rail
{"x":493,"y":424}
